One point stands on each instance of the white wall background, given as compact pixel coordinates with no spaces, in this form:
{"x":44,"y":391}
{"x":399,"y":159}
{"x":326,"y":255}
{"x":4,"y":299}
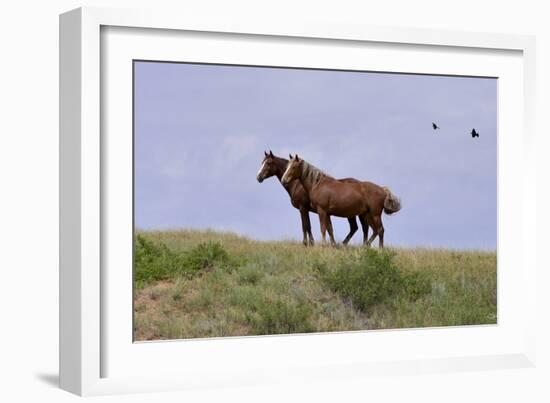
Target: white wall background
{"x":29,"y":201}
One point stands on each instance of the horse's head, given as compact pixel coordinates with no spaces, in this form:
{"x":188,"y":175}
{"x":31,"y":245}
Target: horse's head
{"x":293,"y":170}
{"x":268,"y":167}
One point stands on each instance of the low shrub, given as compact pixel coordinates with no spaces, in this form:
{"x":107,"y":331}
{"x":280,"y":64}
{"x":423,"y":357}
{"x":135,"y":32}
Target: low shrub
{"x":207,"y":256}
{"x":416,"y":285}
{"x":371,"y":277}
{"x":250,"y":274}
{"x":281,"y":317}
{"x":155,"y":261}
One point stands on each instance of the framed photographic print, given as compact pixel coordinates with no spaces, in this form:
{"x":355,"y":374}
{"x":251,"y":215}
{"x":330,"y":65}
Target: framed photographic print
{"x":241,"y":201}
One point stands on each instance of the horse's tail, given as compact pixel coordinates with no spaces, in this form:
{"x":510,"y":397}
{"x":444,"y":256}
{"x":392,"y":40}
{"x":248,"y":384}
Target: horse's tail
{"x":392,"y":204}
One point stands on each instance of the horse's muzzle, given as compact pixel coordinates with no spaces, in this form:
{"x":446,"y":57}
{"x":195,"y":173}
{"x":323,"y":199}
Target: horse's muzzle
{"x":259,"y":178}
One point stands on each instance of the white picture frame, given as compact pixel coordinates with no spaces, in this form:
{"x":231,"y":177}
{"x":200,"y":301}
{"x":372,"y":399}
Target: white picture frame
{"x":91,"y":343}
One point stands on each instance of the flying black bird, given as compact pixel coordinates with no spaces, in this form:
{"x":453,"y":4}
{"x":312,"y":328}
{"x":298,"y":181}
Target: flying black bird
{"x":435,"y":126}
{"x":474,"y":133}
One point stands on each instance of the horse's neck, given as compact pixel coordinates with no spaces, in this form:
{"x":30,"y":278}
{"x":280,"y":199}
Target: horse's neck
{"x":293,"y":187}
{"x":281,"y":168}
{"x":308,"y":180}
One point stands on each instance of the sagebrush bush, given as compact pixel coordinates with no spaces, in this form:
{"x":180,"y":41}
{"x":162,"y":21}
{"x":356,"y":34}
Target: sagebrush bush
{"x":250,"y":274}
{"x":371,"y":277}
{"x":416,"y":285}
{"x":281,"y":317}
{"x":155,"y":261}
{"x":206,"y":256}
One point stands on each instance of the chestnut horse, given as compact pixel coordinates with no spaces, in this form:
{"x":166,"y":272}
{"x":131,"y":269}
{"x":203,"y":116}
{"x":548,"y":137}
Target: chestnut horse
{"x":276,"y":166}
{"x":329,"y":196}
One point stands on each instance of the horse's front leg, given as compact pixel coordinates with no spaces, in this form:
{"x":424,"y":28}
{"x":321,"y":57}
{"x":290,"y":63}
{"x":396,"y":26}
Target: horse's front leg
{"x":330,"y":231}
{"x":323,"y":223}
{"x":306,"y":225}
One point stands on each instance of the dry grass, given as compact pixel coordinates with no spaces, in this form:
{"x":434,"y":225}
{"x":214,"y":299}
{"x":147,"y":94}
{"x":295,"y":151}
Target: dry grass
{"x":277,"y":287}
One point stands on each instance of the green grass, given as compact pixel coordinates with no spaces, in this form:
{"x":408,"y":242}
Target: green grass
{"x":210,"y":284}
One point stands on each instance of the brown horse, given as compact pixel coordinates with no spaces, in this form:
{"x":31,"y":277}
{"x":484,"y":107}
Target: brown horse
{"x":276,"y":166}
{"x":329,"y":196}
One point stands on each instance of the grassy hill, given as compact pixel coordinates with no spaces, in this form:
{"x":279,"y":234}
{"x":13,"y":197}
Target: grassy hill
{"x":210,"y":284}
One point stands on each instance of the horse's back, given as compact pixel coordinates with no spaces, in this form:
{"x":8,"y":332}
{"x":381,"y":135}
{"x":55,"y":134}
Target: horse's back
{"x":338,"y":197}
{"x":373,"y":190}
{"x":349,"y":180}
{"x":373,"y":187}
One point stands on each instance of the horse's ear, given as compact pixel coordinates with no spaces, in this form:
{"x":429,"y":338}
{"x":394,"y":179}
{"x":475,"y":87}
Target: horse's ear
{"x":297,"y":158}
{"x":265,"y":153}
{"x":270,"y":153}
{"x":290,"y":156}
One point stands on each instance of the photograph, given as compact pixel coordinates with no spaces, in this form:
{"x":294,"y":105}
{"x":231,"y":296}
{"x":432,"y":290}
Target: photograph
{"x":272,"y":200}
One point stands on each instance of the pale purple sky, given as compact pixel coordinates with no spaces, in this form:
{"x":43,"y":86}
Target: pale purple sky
{"x":201,"y":130}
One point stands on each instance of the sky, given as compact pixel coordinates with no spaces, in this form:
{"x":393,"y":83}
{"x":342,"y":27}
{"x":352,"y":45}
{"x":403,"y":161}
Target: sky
{"x":201,"y":132}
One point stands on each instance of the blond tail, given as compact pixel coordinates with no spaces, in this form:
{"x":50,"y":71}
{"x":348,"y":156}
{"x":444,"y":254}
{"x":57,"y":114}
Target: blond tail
{"x":392,"y":204}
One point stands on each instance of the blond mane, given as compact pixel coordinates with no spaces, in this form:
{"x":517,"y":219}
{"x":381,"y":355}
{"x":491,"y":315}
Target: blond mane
{"x":311,"y":174}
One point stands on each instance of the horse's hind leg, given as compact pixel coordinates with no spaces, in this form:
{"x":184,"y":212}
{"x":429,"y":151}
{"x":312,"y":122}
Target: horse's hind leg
{"x":380,"y":230}
{"x":352,"y":229}
{"x":381,"y":235}
{"x":372,"y":223}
